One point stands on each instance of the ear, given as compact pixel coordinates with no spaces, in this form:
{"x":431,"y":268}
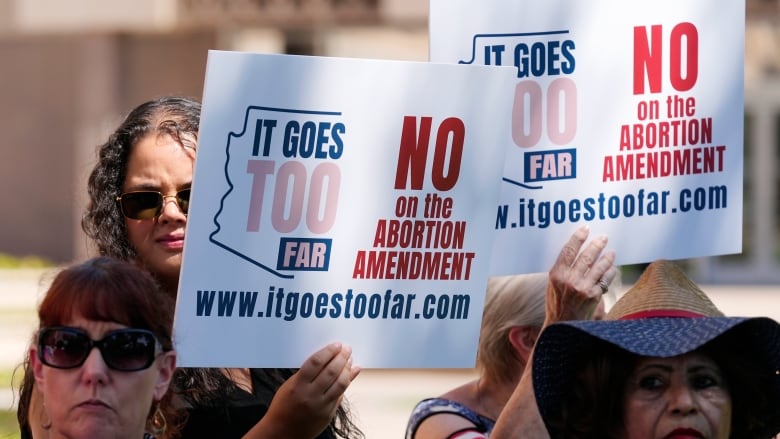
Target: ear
{"x":36,"y":365}
{"x":167,"y":365}
{"x":523,"y":339}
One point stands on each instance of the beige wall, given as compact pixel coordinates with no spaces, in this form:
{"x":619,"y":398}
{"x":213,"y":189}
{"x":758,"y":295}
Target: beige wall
{"x":37,"y":126}
{"x":59,"y":96}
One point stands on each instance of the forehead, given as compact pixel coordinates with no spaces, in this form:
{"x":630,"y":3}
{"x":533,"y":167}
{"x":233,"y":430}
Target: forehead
{"x":95,"y":328}
{"x":680,"y":362}
{"x":159,"y":157}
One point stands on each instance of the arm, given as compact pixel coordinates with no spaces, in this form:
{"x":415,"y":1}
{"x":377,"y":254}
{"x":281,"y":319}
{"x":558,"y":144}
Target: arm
{"x":573,"y":293}
{"x":306,"y":403}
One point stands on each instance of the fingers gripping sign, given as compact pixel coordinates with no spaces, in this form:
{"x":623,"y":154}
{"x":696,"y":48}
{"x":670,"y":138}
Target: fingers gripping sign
{"x":314,"y":392}
{"x":330,"y":373}
{"x":579,"y":278}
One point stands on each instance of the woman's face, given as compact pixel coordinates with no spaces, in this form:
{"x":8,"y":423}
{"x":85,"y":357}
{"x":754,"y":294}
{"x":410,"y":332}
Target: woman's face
{"x":93,"y":400}
{"x":159,"y":163}
{"x":682,"y":397}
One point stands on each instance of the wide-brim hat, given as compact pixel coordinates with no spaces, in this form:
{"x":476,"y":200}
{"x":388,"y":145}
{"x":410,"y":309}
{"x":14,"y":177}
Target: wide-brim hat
{"x":663,"y":315}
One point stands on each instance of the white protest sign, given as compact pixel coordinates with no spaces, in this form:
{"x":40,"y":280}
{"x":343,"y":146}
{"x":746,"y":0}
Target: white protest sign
{"x":341,"y":200}
{"x":627,"y":116}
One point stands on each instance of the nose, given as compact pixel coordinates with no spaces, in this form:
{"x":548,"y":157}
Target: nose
{"x":682,"y":400}
{"x":171,"y":211}
{"x":94,"y":369}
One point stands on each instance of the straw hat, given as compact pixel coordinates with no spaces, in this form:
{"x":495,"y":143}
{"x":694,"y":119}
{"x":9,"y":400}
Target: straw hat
{"x":663,"y":315}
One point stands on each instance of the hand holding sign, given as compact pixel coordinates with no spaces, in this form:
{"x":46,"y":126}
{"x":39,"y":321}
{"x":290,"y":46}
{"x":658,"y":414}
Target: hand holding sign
{"x":310,"y":397}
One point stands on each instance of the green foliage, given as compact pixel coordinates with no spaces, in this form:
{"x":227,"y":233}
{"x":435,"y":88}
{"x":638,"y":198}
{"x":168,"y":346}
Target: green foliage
{"x":9,"y":261}
{"x":9,"y":428}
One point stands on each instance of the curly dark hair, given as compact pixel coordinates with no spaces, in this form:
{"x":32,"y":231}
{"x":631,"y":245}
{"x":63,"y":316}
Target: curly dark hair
{"x":103,"y":222}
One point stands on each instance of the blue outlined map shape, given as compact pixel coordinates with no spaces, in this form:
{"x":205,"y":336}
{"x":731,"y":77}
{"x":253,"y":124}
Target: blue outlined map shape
{"x":474,"y":41}
{"x":238,"y":247}
{"x":505,"y":35}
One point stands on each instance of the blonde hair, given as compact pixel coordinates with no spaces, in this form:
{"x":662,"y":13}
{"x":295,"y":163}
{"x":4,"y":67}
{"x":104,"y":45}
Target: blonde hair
{"x":510,"y":301}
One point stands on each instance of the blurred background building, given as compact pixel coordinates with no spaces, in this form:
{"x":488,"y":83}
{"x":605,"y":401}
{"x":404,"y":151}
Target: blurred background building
{"x":70,"y":70}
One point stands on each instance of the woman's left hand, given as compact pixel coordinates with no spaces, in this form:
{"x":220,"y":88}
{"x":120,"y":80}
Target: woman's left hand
{"x":578,"y":279}
{"x":306,"y":403}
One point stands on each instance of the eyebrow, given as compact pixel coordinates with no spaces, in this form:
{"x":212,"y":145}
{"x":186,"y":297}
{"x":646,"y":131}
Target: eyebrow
{"x":705,"y":368}
{"x":650,"y":366}
{"x":693,"y":368}
{"x":155,"y":187}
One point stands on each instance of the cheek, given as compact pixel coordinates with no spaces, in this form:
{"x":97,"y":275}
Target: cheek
{"x":639,"y":416}
{"x":138,"y":233}
{"x":138,"y":395}
{"x":717,"y":408}
{"x":56,"y":396}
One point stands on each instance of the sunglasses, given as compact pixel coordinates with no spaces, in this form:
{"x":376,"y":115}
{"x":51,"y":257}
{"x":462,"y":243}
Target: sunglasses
{"x":143,"y":205}
{"x":126,"y":350}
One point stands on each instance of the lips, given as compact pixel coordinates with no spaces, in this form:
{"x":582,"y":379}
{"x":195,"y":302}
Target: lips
{"x":172,"y":241}
{"x":684,"y":433}
{"x":93,"y":405}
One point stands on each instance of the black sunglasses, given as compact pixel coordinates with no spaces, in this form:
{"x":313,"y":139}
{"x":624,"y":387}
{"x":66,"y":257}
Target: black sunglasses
{"x":126,"y":350}
{"x":143,"y":205}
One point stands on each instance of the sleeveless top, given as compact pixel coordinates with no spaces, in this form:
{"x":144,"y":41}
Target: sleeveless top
{"x":432,"y":406}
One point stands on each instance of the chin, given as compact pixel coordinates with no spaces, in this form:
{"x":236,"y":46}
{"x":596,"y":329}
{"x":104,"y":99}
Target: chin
{"x":165,"y":265}
{"x":97,"y":430}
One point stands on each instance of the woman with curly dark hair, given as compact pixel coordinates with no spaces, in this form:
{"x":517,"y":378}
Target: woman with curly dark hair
{"x":138,"y":201}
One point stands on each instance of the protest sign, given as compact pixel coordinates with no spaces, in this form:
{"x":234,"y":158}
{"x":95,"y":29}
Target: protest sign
{"x":627,"y":116}
{"x":341,"y":200}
